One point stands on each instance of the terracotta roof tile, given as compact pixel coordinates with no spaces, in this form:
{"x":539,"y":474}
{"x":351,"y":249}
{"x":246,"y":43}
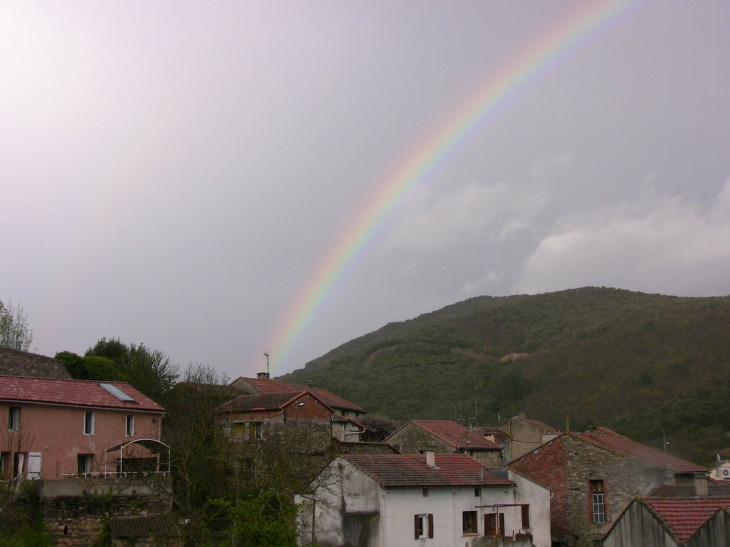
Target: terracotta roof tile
{"x":162,"y":524}
{"x":685,"y":516}
{"x":410,"y":470}
{"x":456,"y":435}
{"x":269,"y":387}
{"x":688,"y":491}
{"x":618,"y":443}
{"x":271,"y":401}
{"x":87,"y":393}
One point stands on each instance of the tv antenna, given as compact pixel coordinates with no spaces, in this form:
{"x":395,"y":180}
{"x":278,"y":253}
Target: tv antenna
{"x":267,"y":362}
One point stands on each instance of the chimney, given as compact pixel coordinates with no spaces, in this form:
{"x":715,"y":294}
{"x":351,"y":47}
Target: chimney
{"x":701,"y":488}
{"x":262,"y":375}
{"x":489,"y":437}
{"x":430,"y":458}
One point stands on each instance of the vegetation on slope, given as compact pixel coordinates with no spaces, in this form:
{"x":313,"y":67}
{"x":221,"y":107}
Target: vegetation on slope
{"x":645,"y":365}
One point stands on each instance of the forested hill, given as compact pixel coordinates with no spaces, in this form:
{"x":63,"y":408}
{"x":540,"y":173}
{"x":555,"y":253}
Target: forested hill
{"x":634,"y":362}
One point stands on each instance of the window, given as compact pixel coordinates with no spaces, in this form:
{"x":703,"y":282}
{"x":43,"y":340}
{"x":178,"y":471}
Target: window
{"x":423,"y":526}
{"x":525,"y":517}
{"x":35,"y":464}
{"x":130,"y":425}
{"x":83,"y":463}
{"x":425,"y":492}
{"x":477,"y":492}
{"x":494,"y":524}
{"x":4,"y":465}
{"x":598,"y":497}
{"x":88,"y":423}
{"x":14,"y":419}
{"x":257,"y":430}
{"x":469,"y":522}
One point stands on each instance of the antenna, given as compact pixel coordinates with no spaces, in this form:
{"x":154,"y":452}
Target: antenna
{"x":267,"y":362}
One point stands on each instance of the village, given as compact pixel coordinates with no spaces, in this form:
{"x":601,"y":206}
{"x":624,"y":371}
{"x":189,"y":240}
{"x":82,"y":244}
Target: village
{"x":95,"y":452}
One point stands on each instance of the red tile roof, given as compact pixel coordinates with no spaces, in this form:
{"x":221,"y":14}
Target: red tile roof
{"x":688,"y":491}
{"x":454,"y":434}
{"x":87,"y":393}
{"x":269,"y":387}
{"x":410,"y":470}
{"x":605,"y":438}
{"x":686,"y":516}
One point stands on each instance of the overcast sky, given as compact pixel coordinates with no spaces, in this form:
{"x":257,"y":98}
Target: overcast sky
{"x":173,"y":173}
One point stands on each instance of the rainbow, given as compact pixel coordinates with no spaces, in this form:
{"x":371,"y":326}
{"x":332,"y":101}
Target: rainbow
{"x":496,"y":92}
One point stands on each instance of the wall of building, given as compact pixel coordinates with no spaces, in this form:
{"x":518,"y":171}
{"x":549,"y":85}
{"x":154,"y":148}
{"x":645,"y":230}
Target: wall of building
{"x":714,"y":533}
{"x":566,"y":466}
{"x":14,"y":362}
{"x":490,"y":458}
{"x":57,"y":433}
{"x":526,"y":435}
{"x":638,"y":527}
{"x":74,"y":510}
{"x":538,"y":497}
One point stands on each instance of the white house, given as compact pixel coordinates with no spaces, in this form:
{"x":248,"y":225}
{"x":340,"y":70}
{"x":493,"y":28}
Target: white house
{"x":431,"y":500}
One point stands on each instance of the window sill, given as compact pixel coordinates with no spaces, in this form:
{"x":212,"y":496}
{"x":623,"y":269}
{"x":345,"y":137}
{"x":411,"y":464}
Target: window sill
{"x":470,"y":534}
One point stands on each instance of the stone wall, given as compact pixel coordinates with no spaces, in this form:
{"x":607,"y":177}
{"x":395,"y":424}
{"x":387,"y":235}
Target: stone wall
{"x":411,"y":439}
{"x":21,"y":363}
{"x":566,"y":466}
{"x":74,"y":510}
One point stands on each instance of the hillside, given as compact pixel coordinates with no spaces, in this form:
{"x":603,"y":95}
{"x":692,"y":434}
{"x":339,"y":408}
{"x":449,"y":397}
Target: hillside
{"x":635,"y":362}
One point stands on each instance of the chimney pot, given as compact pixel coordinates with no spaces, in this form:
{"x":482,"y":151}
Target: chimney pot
{"x":262,"y":375}
{"x":430,"y":458}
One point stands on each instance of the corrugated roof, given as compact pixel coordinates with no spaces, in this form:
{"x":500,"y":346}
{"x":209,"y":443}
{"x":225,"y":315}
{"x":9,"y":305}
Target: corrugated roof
{"x":611,"y":440}
{"x":87,"y":393}
{"x":454,"y":434}
{"x":162,"y":524}
{"x":410,"y":470}
{"x":685,"y":516}
{"x":272,"y":401}
{"x":270,"y":387}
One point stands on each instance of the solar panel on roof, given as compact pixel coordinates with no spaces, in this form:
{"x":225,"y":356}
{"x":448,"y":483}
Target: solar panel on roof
{"x":118,"y":393}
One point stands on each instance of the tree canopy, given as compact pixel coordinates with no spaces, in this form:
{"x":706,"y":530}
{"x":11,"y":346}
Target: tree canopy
{"x":14,"y":330}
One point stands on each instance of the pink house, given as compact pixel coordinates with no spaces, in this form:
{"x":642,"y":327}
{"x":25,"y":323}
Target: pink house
{"x":53,"y":428}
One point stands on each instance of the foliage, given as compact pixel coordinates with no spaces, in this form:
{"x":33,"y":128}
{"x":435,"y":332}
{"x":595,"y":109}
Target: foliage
{"x":90,"y":367}
{"x":263,"y":521}
{"x":622,"y":359}
{"x":22,"y":523}
{"x":377,"y":427}
{"x":14,"y":330}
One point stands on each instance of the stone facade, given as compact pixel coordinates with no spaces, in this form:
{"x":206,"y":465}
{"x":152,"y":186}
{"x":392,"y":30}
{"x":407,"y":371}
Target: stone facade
{"x":567,"y":465}
{"x":14,"y":362}
{"x":525,"y":435}
{"x":74,"y":510}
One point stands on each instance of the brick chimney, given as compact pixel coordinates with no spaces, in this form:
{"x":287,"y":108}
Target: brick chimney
{"x":262,"y":375}
{"x":430,"y":458}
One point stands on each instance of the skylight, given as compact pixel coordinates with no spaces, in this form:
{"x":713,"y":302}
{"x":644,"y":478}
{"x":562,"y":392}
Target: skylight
{"x":118,"y":393}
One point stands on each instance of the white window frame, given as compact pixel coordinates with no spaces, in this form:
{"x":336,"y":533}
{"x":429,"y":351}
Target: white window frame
{"x":90,"y":431}
{"x":35,"y":465}
{"x":14,"y":418}
{"x":129,"y":425}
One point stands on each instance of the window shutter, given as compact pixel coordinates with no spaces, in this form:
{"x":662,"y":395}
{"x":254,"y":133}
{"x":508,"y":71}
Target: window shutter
{"x":415,"y":524}
{"x":430,"y":525}
{"x":500,"y":533}
{"x":525,"y":516}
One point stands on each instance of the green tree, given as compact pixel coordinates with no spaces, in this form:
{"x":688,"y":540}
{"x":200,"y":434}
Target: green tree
{"x":90,"y":367}
{"x":14,"y":330}
{"x":264,"y":521}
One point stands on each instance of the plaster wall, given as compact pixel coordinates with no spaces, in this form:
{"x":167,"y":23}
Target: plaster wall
{"x":538,"y":497}
{"x":411,"y":439}
{"x":57,"y":433}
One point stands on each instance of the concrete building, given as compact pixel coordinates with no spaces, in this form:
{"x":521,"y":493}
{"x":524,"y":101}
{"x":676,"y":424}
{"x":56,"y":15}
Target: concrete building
{"x":594,"y":476}
{"x":524,"y":434}
{"x":404,"y":500}
{"x":445,"y":437}
{"x":56,"y":428}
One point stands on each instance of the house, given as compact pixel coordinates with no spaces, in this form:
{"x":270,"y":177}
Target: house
{"x":673,"y":522}
{"x":265,"y":400}
{"x":401,"y":500}
{"x":445,"y":437}
{"x":56,"y":428}
{"x":721,"y":471}
{"x":594,"y":476}
{"x":524,"y":434}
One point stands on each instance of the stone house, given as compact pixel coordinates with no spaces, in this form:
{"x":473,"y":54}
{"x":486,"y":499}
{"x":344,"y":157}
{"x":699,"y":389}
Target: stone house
{"x":675,"y":522}
{"x":246,"y":416}
{"x":445,"y":437}
{"x":339,"y":414}
{"x":594,"y":476}
{"x":403,"y":500}
{"x":54,"y":428}
{"x":524,"y":434}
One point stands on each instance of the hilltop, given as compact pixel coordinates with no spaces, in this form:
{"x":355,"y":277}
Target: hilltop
{"x":638,"y":363}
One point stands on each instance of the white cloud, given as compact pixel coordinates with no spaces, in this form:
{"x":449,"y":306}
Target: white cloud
{"x":494,"y":211}
{"x":551,"y":162}
{"x":662,"y":245}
